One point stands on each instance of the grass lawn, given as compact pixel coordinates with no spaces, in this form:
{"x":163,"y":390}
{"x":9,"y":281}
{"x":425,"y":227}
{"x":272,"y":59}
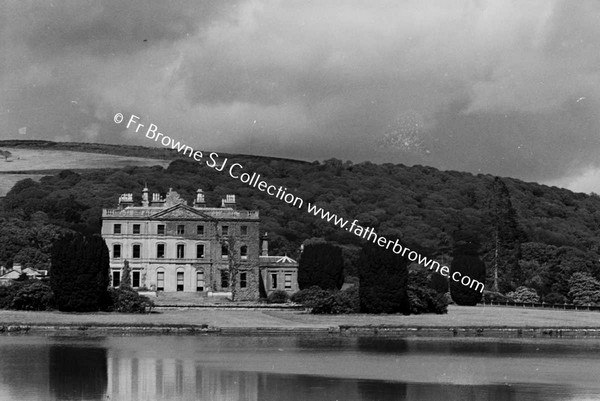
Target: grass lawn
{"x":458,"y":316}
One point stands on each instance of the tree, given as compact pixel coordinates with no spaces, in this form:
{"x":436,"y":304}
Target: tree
{"x":584,"y":289}
{"x":524,"y":294}
{"x":321,"y":264}
{"x":79,"y":275}
{"x":506,"y":236}
{"x":383,"y":281}
{"x":466,"y":261}
{"x":126,"y":277}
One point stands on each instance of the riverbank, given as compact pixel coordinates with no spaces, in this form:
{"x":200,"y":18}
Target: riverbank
{"x":460,"y":321}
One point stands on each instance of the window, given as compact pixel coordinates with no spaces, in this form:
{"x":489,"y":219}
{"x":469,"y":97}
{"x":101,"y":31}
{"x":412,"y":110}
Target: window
{"x":224,"y":279}
{"x":116,"y":281}
{"x":274,"y":281}
{"x":244,"y":230}
{"x":180,"y":251}
{"x":200,"y":230}
{"x":160,"y":229}
{"x":288,"y":281}
{"x":160,"y":250}
{"x":180,"y":229}
{"x":179,"y":281}
{"x":243,"y":280}
{"x":200,"y":281}
{"x":135,"y":279}
{"x":199,"y":251}
{"x":160,"y":281}
{"x":224,"y":252}
{"x":225,"y":230}
{"x":117,"y":229}
{"x":136,"y":228}
{"x":136,"y":251}
{"x":116,"y":251}
{"x":244,"y":252}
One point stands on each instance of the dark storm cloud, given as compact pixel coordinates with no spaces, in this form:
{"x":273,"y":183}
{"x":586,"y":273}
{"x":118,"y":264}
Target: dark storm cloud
{"x":506,"y":87}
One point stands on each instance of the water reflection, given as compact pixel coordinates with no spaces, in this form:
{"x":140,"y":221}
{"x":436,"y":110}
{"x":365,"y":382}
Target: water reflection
{"x":77,"y":372}
{"x":294,"y":368}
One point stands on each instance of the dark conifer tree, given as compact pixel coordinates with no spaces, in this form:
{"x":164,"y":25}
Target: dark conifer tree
{"x":466,"y":261}
{"x":383,"y":281}
{"x":321,"y":264}
{"x":506,"y":238}
{"x":80,"y":273}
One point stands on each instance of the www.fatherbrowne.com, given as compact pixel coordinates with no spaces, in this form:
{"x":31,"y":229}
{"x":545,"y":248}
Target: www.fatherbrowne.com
{"x":253,"y":180}
{"x":369,"y":234}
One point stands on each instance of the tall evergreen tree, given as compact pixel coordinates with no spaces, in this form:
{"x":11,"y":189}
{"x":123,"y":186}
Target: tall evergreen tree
{"x":321,"y":264}
{"x":466,"y":261}
{"x":79,"y":276}
{"x":506,"y":239}
{"x":383,"y":281}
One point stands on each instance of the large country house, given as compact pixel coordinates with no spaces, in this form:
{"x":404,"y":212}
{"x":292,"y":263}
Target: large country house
{"x":171,"y":246}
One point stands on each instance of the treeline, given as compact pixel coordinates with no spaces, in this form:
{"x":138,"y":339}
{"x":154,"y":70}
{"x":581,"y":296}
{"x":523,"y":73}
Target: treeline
{"x":530,"y":235}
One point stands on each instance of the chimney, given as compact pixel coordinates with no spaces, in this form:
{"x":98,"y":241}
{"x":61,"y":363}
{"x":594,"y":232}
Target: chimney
{"x":125,"y":200}
{"x":2,"y":270}
{"x":229,"y":201}
{"x":17,"y":267}
{"x":199,"y":202}
{"x":265,"y":245}
{"x":145,"y":202}
{"x":157,"y":200}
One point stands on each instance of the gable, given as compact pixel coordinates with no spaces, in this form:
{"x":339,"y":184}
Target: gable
{"x":181,"y":212}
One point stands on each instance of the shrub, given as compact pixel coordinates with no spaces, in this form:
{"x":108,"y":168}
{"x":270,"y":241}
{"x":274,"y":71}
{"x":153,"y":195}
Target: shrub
{"x":555,"y":298}
{"x":346,"y":301}
{"x":32,"y":296}
{"x":278,"y":297}
{"x":523,"y":294}
{"x":423,"y":299}
{"x":7,"y":294}
{"x":493,"y":296}
{"x":310,"y":296}
{"x":127,"y":300}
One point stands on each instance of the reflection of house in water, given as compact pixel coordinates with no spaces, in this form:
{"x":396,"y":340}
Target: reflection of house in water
{"x":130,"y":378}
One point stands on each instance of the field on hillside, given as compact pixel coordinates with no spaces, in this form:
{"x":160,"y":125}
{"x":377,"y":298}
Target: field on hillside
{"x":36,"y":160}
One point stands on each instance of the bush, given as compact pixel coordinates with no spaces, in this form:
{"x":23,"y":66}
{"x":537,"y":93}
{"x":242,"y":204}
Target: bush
{"x":338,"y":302}
{"x":555,"y":298}
{"x":278,"y":297}
{"x":32,"y":296}
{"x":524,"y":294}
{"x":423,"y":299}
{"x":127,"y":300}
{"x":493,"y":296}
{"x":310,"y":296}
{"x":7,"y":294}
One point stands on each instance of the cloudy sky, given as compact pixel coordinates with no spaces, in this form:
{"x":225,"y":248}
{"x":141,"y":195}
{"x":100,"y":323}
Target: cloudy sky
{"x":510,"y":88}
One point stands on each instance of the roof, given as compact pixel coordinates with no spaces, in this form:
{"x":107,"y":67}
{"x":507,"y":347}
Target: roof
{"x":277,"y":260}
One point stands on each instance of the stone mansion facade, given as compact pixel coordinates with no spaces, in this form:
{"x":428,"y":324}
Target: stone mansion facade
{"x":171,"y":246}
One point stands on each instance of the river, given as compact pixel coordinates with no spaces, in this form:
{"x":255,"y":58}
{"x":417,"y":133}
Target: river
{"x":296,"y":368}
